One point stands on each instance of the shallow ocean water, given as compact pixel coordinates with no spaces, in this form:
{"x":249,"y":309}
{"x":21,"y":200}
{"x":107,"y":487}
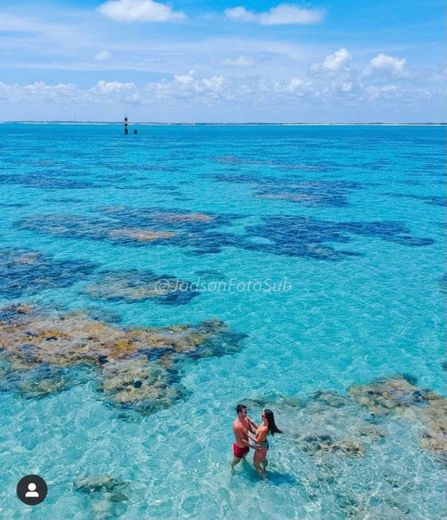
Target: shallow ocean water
{"x":351,"y":217}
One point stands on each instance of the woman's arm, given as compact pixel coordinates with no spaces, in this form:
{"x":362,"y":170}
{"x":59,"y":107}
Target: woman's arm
{"x":252,"y":424}
{"x":261,"y":434}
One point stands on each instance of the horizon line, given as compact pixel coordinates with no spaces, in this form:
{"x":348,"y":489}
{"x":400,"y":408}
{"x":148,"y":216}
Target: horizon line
{"x":226,"y":123}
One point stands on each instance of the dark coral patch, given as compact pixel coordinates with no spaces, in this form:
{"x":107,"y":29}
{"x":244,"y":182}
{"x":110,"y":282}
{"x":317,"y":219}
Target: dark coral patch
{"x":133,"y":285}
{"x":389,"y":231}
{"x":283,"y":164}
{"x":307,"y":192}
{"x":45,"y":181}
{"x":68,"y":200}
{"x":25,"y":272}
{"x":308,"y":237}
{"x":435,"y":200}
{"x":162,"y":218}
{"x":315,"y":193}
{"x":443,"y":283}
{"x":201,"y":233}
{"x":197,"y":231}
{"x":13,"y":205}
{"x":210,"y":274}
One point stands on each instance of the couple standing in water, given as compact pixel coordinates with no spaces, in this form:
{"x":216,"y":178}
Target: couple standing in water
{"x":246,"y":430}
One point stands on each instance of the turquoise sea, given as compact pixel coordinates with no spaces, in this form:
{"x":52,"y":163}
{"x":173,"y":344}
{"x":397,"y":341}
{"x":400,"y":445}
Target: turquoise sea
{"x":320,"y":249}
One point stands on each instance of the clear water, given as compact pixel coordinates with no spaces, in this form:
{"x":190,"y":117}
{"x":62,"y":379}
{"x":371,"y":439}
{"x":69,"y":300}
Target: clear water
{"x":348,"y":318}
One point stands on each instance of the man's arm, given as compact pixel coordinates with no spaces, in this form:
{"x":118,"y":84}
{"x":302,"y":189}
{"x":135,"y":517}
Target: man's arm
{"x":255,"y":438}
{"x":253,"y":425}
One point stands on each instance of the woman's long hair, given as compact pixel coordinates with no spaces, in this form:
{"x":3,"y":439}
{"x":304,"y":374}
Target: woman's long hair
{"x":271,"y":419}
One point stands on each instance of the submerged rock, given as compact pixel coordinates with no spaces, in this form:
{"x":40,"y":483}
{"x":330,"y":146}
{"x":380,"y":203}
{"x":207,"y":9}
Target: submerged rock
{"x":143,"y":386}
{"x":136,"y":366}
{"x":331,"y":424}
{"x":140,"y":235}
{"x":114,"y":488}
{"x":37,"y":382}
{"x":107,"y":496}
{"x":290,"y":188}
{"x":171,"y":216}
{"x":140,"y":227}
{"x":399,"y":395}
{"x":26,"y":272}
{"x":330,"y":398}
{"x":133,"y":285}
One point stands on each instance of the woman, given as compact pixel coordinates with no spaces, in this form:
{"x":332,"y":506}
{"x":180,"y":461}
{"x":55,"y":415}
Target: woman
{"x":261,"y":445}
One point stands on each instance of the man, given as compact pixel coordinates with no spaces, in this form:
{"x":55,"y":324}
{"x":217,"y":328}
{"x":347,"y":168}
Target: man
{"x":241,"y":426}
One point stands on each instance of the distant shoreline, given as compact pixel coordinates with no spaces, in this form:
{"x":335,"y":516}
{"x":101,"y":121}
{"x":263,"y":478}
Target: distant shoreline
{"x":150,"y":123}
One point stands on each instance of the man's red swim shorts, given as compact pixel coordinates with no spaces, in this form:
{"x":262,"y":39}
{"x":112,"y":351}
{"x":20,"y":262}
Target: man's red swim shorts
{"x":240,"y":452}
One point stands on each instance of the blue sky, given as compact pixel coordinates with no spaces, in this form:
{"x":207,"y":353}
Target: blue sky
{"x":223,"y":61}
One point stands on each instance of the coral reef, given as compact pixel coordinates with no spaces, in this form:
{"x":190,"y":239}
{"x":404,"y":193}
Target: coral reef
{"x":137,"y":368}
{"x":140,"y":235}
{"x":108,"y":495}
{"x":307,"y":237}
{"x":139,"y":226}
{"x":356,"y":449}
{"x":115,"y":489}
{"x":435,"y":200}
{"x":324,"y":193}
{"x":26,"y":272}
{"x":329,"y":423}
{"x":133,"y":285}
{"x":201,"y":234}
{"x":400,"y":395}
{"x":45,"y":181}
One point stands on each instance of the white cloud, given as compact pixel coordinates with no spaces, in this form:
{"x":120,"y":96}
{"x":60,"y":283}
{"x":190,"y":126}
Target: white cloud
{"x":295,"y":86}
{"x":112,"y":87}
{"x":282,"y":14}
{"x":384,"y":63}
{"x":288,"y":14}
{"x":196,"y":91}
{"x":240,"y":14}
{"x":38,"y":92}
{"x":139,"y":11}
{"x":335,"y":62}
{"x":103,"y":55}
{"x":190,"y":85}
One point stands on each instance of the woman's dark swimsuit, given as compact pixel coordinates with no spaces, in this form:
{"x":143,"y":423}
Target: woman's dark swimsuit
{"x":263,"y":444}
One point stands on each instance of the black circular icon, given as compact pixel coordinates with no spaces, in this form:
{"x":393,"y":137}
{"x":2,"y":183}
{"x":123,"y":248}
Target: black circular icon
{"x":32,"y":490}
